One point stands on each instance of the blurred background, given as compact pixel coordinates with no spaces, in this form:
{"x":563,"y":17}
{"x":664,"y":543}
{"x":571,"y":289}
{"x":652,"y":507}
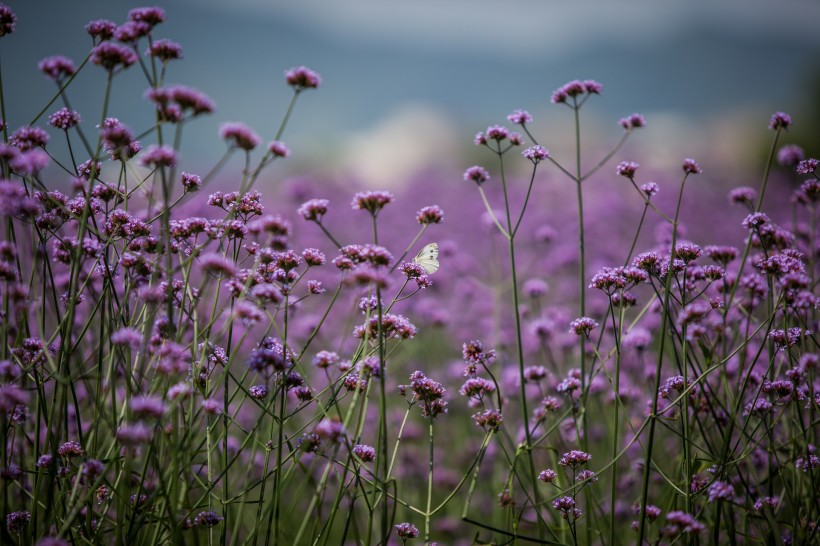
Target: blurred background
{"x":407,"y":84}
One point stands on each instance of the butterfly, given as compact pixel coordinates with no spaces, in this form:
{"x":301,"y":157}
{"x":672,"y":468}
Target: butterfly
{"x":427,"y":258}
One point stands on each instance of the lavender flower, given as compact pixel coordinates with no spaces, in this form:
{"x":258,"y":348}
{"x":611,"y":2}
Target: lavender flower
{"x":113,"y":56}
{"x":566,"y":506}
{"x":430,"y":215}
{"x":406,"y":530}
{"x":520,"y":117}
{"x":690,"y":166}
{"x":314,"y":209}
{"x":477,"y":174}
{"x":239,"y":135}
{"x":64,"y":119}
{"x":165,"y":50}
{"x":627,"y":169}
{"x":56,"y":67}
{"x":7,"y":20}
{"x":371,"y":201}
{"x":633,"y":121}
{"x":780,"y":120}
{"x":16,"y":522}
{"x":366,"y":453}
{"x":301,"y":78}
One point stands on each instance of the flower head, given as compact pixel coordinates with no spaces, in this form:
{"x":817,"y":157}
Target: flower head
{"x":64,"y":119}
{"x":780,"y":120}
{"x":112,"y":56}
{"x":8,"y":20}
{"x":536,"y":153}
{"x":633,"y":121}
{"x":430,"y":215}
{"x":371,"y":201}
{"x":301,"y":77}
{"x":477,"y":174}
{"x":165,"y":50}
{"x":406,"y":530}
{"x":690,"y":166}
{"x":240,"y":135}
{"x":314,"y":209}
{"x":520,"y":117}
{"x":56,"y":67}
{"x":101,"y":28}
{"x":627,"y":169}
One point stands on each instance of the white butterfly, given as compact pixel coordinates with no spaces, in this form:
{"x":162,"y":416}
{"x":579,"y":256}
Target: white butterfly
{"x":427,"y":258}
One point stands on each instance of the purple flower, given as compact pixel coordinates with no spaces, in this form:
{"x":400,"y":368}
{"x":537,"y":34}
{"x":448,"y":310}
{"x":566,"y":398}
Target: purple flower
{"x":430,"y":215}
{"x":680,"y":522}
{"x":148,"y":406}
{"x":134,"y":434}
{"x":189,"y":98}
{"x":490,"y":419}
{"x":207,"y":519}
{"x":364,"y":452}
{"x":159,"y":156}
{"x":111,"y":56}
{"x":633,"y":121}
{"x":165,"y":50}
{"x":574,"y":89}
{"x":430,"y":393}
{"x":755,"y":220}
{"x":191,"y":182}
{"x":64,"y":119}
{"x":574,"y":458}
{"x":7,"y":20}
{"x":314,"y":209}
{"x":807,"y":166}
{"x":301,"y":78}
{"x":536,"y":153}
{"x":16,"y":522}
{"x":240,"y":135}
{"x":743,"y":195}
{"x":30,"y":162}
{"x":520,"y":117}
{"x":547,"y":476}
{"x":650,"y":189}
{"x":627,"y":169}
{"x":371,"y":201}
{"x":566,"y":505}
{"x":71,"y":449}
{"x":330,"y":430}
{"x":477,"y":174}
{"x":56,"y":67}
{"x":325,"y":359}
{"x":720,"y":490}
{"x":151,"y":16}
{"x":217,"y":264}
{"x":258,"y":392}
{"x":210,"y":406}
{"x":101,"y":28}
{"x":790,"y":155}
{"x":497,"y":133}
{"x":25,"y":138}
{"x":278,"y":149}
{"x":406,"y":530}
{"x":690,"y":166}
{"x":780,"y":120}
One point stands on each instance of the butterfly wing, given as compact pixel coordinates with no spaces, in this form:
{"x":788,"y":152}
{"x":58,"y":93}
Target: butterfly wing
{"x":428,"y":258}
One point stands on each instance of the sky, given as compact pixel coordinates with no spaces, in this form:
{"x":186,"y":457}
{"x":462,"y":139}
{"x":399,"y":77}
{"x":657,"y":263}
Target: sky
{"x":407,"y":82}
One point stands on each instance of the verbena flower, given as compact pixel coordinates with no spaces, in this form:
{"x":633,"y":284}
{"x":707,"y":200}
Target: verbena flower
{"x":476,"y":174}
{"x":780,"y":120}
{"x":8,"y":20}
{"x":239,"y":135}
{"x":633,"y":121}
{"x":57,"y":67}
